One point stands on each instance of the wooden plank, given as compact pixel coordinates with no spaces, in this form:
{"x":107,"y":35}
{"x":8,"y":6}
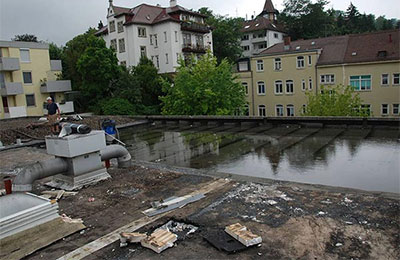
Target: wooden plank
{"x":243,"y":235}
{"x":28,"y":241}
{"x":159,"y":240}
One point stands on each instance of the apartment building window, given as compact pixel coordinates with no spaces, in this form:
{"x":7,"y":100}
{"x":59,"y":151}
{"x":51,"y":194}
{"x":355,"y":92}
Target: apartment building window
{"x":143,"y":52}
{"x":123,"y":63}
{"x":361,"y":83}
{"x":303,"y":85}
{"x":300,"y":62}
{"x":121,"y":45}
{"x":290,"y":110}
{"x":246,"y":88}
{"x":246,"y":110}
{"x":155,"y":40}
{"x":165,"y":37}
{"x":120,"y":26}
{"x":289,"y":87}
{"x":113,"y":44}
{"x":151,"y":39}
{"x":166,"y":58}
{"x":396,"y":109}
{"x":385,"y":79}
{"x":261,"y":88}
{"x":142,"y":32}
{"x":200,"y":41}
{"x":276,"y":36}
{"x":396,"y":78}
{"x":25,"y":55}
{"x":278,"y":87}
{"x":262,"y":46}
{"x":157,"y":61}
{"x":327,"y":79}
{"x":309,"y":60}
{"x":176,"y":36}
{"x":260,"y":65}
{"x":261,"y":110}
{"x":112,"y":26}
{"x":367,"y":108}
{"x":30,"y":100}
{"x":246,"y":48}
{"x":304,"y":109}
{"x":277,"y":64}
{"x":385,"y":109}
{"x":245,"y":37}
{"x":27,"y":76}
{"x":310,"y":84}
{"x":187,"y":39}
{"x":279,"y":110}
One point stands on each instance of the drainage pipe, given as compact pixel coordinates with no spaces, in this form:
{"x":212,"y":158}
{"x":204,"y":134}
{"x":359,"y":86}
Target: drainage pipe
{"x":24,"y":180}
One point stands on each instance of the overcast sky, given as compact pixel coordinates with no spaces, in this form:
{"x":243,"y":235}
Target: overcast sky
{"x":60,"y":20}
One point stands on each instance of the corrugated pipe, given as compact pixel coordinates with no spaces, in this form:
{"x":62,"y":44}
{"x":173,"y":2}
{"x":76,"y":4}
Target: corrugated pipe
{"x":24,"y":180}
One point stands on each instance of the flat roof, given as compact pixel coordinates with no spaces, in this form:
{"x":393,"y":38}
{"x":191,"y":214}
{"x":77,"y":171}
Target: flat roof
{"x":19,"y":44}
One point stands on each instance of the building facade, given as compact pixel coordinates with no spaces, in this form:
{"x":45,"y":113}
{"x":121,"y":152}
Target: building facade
{"x":262,"y":31}
{"x":162,"y":34}
{"x":277,"y":79}
{"x":27,"y":78}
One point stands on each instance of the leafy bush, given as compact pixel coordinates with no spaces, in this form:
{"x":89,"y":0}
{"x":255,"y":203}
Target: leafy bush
{"x":117,"y":106}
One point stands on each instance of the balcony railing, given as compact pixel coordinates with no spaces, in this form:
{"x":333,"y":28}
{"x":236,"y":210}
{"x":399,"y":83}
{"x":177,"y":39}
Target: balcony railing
{"x":65,"y":107}
{"x":198,"y":48}
{"x":9,"y":64}
{"x":13,"y":112}
{"x":11,"y":89}
{"x":195,"y":27}
{"x":55,"y":65}
{"x":56,"y":86}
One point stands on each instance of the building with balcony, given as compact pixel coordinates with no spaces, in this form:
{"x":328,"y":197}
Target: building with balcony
{"x":27,"y":78}
{"x":262,"y":31}
{"x":162,"y":34}
{"x":277,"y":80}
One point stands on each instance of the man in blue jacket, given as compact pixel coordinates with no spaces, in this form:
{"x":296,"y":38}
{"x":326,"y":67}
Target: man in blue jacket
{"x":53,"y":115}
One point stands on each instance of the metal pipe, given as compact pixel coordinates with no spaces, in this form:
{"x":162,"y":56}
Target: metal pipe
{"x":119,"y":152}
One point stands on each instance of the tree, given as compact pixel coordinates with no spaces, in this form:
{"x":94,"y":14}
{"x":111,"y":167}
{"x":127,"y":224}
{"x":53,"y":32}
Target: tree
{"x":203,"y":88}
{"x":335,"y":101}
{"x":25,"y":38}
{"x":55,"y":52}
{"x":226,"y":35}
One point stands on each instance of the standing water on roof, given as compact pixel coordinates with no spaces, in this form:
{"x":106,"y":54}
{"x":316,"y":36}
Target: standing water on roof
{"x":355,"y":158}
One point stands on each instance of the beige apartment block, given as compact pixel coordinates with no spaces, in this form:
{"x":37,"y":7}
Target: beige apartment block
{"x":278,"y":79}
{"x":27,"y":78}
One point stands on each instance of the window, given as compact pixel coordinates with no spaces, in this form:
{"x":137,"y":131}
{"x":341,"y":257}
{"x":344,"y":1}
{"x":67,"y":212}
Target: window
{"x":279,"y":110}
{"x":165,"y":37}
{"x":120,"y":26}
{"x":142,"y":32}
{"x":113,"y":44}
{"x":155,"y":40}
{"x":385,"y":79}
{"x":396,"y":109}
{"x":123,"y":63}
{"x":30,"y":100}
{"x":300,"y":62}
{"x":246,"y":48}
{"x":304,"y":108}
{"x":277,"y":64}
{"x":245,"y":37}
{"x":396,"y":78}
{"x":187,"y":39}
{"x":310,"y":85}
{"x":176,"y":36}
{"x":327,"y":79}
{"x":261,"y":88}
{"x":25,"y":55}
{"x":112,"y":26}
{"x":143,"y":51}
{"x":367,"y":108}
{"x":243,"y":66}
{"x":385,"y":109}
{"x":260,"y":65}
{"x":121,"y":45}
{"x":27,"y":76}
{"x":261,"y":110}
{"x":361,"y":83}
{"x":151,"y":39}
{"x":178,"y":56}
{"x":278,"y":87}
{"x":246,"y":110}
{"x":166,"y":58}
{"x":276,"y":36}
{"x":289,"y":87}
{"x":309,"y":60}
{"x":290,"y":110}
{"x":246,"y":88}
{"x":303,"y":85}
{"x":157,"y":61}
{"x":262,"y":46}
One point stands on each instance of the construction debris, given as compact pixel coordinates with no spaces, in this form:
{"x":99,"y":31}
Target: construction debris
{"x":222,"y":241}
{"x":134,"y":237}
{"x":67,"y":219}
{"x":182,"y":230}
{"x":243,"y":235}
{"x":159,"y":240}
{"x":57,"y":194}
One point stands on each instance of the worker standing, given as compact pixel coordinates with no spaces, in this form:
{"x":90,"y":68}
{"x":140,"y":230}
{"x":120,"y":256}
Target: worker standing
{"x":53,"y":114}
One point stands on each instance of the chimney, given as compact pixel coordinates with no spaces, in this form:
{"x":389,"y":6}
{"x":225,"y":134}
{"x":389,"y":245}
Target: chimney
{"x":172,"y":3}
{"x":390,"y":38}
{"x":111,"y":2}
{"x":286,"y":40}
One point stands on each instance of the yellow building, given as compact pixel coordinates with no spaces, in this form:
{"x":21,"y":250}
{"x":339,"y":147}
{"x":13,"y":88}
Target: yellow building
{"x":279,"y":77}
{"x":27,"y":78}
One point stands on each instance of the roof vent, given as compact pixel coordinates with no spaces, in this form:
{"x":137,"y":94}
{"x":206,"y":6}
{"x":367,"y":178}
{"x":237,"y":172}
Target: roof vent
{"x":257,"y":24}
{"x":312,"y":43}
{"x":298,"y":48}
{"x":247,"y":26}
{"x":148,"y":17}
{"x":273,"y":25}
{"x":354,"y":54}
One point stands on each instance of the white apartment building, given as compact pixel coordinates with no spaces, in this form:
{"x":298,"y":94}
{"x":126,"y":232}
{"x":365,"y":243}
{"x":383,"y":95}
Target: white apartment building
{"x":163,"y":34}
{"x":262,"y":32}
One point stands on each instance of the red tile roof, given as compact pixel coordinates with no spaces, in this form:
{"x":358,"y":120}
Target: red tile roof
{"x":261,"y":23}
{"x":346,"y":48}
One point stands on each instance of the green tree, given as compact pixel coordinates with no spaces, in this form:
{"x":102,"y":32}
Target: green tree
{"x":203,"y":88}
{"x":226,"y":35}
{"x":25,"y":38}
{"x":117,"y":106}
{"x":55,"y":52}
{"x":335,"y":101}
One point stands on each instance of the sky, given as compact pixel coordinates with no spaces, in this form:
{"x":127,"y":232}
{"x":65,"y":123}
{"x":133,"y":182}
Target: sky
{"x":59,"y":21}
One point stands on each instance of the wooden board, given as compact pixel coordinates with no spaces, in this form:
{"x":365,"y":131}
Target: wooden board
{"x":28,"y":241}
{"x":159,"y":240}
